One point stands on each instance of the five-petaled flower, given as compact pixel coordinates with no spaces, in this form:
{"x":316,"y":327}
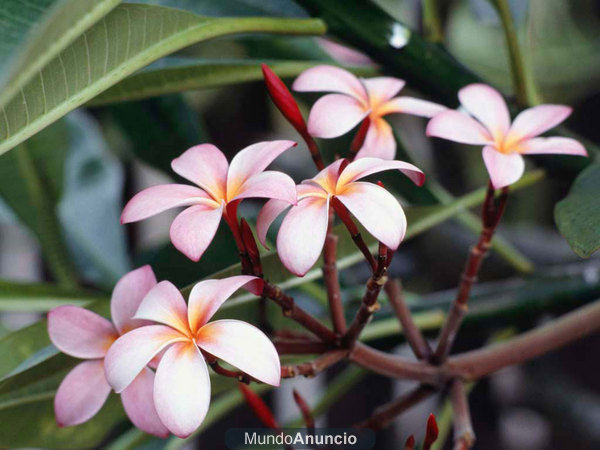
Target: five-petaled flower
{"x":222,"y":187}
{"x":182,"y":384}
{"x":354,"y":100}
{"x":302,"y":233}
{"x":84,"y":334}
{"x":503,"y":143}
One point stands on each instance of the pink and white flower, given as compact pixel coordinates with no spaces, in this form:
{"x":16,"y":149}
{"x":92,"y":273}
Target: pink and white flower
{"x":503,"y":142}
{"x":302,"y":233}
{"x":222,"y":186}
{"x":86,"y":335}
{"x":354,"y":100}
{"x":182,"y":384}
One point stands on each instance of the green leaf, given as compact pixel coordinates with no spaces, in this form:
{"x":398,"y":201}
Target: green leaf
{"x":178,"y":75}
{"x":127,"y":39}
{"x":577,"y":216}
{"x":36,"y":31}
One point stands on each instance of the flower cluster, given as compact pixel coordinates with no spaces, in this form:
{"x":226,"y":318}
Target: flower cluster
{"x":155,"y":351}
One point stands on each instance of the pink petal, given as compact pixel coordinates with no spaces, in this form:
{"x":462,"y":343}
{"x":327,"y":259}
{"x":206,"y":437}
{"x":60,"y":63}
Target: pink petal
{"x":410,"y":105}
{"x":182,"y":389}
{"x":251,"y":161}
{"x":131,"y":352}
{"x":381,"y":89}
{"x":164,"y":304}
{"x":504,"y":169}
{"x":344,"y":54}
{"x":138,"y":401}
{"x":266,"y":216}
{"x":377,"y":210}
{"x":206,"y":166}
{"x":127,"y":296}
{"x":79,"y":332}
{"x":367,"y":166}
{"x":302,"y":234}
{"x":208,"y":296}
{"x":243,"y":346}
{"x":534,"y":121}
{"x":379,"y":141}
{"x":330,"y":79}
{"x":458,"y":127}
{"x":335,"y":114}
{"x":552,"y":145}
{"x":193,"y":230}
{"x":327,"y":178}
{"x":488,"y":106}
{"x":269,"y":184}
{"x":157,"y":199}
{"x":81,"y":394}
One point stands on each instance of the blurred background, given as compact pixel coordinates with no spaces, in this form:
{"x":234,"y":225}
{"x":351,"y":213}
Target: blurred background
{"x":103,"y":155}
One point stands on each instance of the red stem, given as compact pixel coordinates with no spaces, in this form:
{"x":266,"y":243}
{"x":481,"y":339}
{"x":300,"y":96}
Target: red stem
{"x":331,"y":279}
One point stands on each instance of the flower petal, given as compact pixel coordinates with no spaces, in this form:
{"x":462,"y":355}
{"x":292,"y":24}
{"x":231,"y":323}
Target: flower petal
{"x":327,"y":178}
{"x":251,"y":161}
{"x":335,"y":114}
{"x":410,"y":105}
{"x":157,"y":199}
{"x":131,"y":352}
{"x":367,"y":166}
{"x":381,"y":89}
{"x":127,"y":296}
{"x":269,"y":184}
{"x":79,"y":332}
{"x":552,"y":145}
{"x":504,"y":169}
{"x":535,"y":121}
{"x":193,"y":230}
{"x":138,"y":401}
{"x":182,"y":389}
{"x":207,"y":296}
{"x":488,"y":106}
{"x":81,"y":394}
{"x":379,"y":141}
{"x":206,"y":166}
{"x":164,"y":304}
{"x":458,"y":127}
{"x":243,"y":346}
{"x":302,"y":234}
{"x":326,"y":78}
{"x":266,"y":216}
{"x":377,"y":210}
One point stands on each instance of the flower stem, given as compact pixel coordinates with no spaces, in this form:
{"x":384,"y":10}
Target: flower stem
{"x":464,"y":436}
{"x":331,"y":279}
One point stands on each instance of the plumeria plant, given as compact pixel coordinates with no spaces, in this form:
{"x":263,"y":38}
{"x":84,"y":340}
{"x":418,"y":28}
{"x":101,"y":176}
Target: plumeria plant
{"x":165,"y":360}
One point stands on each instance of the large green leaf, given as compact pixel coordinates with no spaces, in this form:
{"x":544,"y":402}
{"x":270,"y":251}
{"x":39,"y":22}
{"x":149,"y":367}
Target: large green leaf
{"x":178,"y":74}
{"x":35,"y":31}
{"x":127,"y":39}
{"x":578,"y":214}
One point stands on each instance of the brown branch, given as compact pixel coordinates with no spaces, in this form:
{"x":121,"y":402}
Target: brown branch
{"x":531,"y":344}
{"x":313,"y":368}
{"x":294,"y":312}
{"x":331,"y":279}
{"x":491,"y":214}
{"x":300,"y":347}
{"x":413,"y":334}
{"x":384,"y":414}
{"x":464,"y":437}
{"x":213,"y":362}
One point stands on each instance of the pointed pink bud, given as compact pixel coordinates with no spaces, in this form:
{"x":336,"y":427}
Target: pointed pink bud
{"x":431,"y":432}
{"x":259,"y":407}
{"x":283,"y":99}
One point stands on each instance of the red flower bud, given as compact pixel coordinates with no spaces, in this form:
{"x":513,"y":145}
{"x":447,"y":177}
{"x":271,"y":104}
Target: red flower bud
{"x":431,"y":432}
{"x":259,"y":407}
{"x":251,"y":247}
{"x":283,"y":99}
{"x":410,"y":443}
{"x":305,"y":410}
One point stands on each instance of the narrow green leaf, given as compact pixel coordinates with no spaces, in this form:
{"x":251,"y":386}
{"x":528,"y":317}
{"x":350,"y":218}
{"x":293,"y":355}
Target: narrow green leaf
{"x":178,"y":75}
{"x":127,"y":39}
{"x":35,"y":31}
{"x":577,"y":216}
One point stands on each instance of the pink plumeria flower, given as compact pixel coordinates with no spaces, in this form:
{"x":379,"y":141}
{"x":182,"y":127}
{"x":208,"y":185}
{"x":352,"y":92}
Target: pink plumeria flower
{"x":222,"y":186}
{"x":86,"y":335}
{"x":182,"y":384}
{"x":354,"y":100}
{"x":503,"y":142}
{"x":302,"y":233}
